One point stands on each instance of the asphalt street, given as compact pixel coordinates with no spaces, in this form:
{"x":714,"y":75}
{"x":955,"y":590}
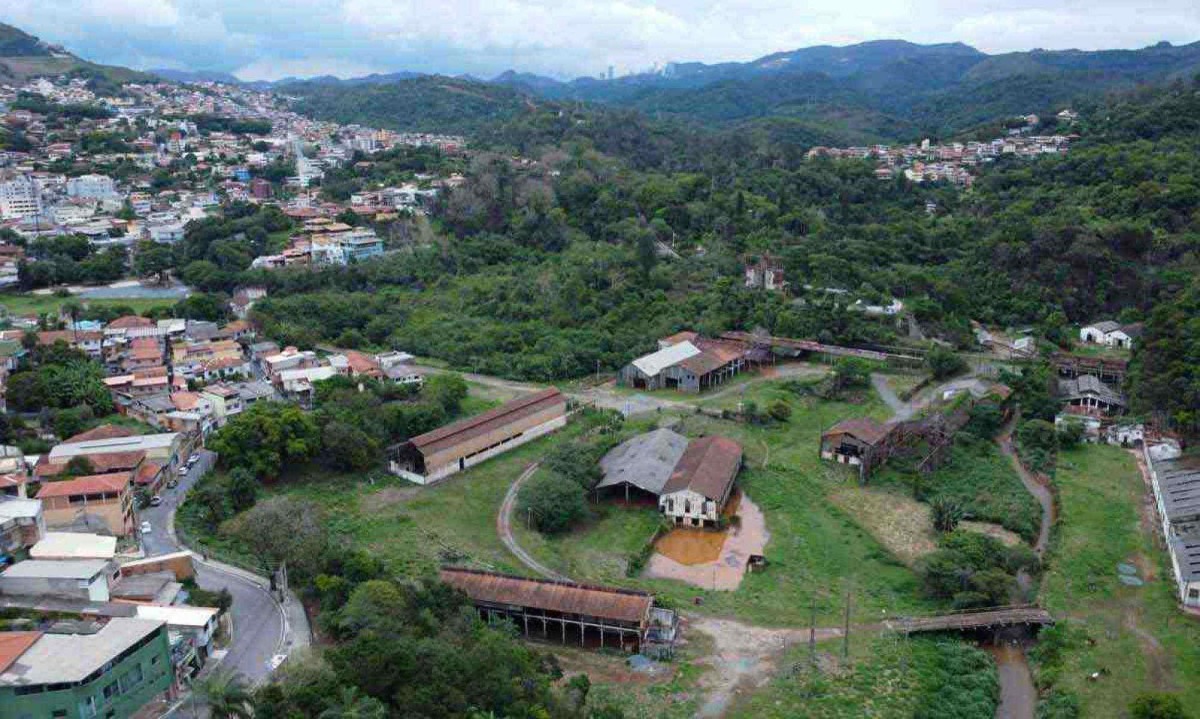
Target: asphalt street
{"x":257,"y":620}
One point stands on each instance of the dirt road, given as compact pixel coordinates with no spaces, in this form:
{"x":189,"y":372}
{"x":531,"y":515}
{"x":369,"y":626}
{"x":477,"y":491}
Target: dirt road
{"x":1039,"y":491}
{"x":504,"y":528}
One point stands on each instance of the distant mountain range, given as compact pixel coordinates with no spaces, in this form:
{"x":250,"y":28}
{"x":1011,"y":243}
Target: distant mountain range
{"x":23,"y":56}
{"x":886,"y":89}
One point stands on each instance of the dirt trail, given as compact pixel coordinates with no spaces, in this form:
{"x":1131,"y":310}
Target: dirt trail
{"x":1035,"y":487}
{"x":504,"y":528}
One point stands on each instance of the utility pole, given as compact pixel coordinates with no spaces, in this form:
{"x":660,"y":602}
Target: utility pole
{"x":812,"y":632}
{"x":846,"y":630}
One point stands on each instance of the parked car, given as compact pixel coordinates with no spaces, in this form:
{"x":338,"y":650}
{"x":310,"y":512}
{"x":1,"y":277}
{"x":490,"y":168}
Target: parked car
{"x":193,"y":460}
{"x":183,"y":471}
{"x":155,"y":501}
{"x":172,"y":483}
{"x":145,"y":527}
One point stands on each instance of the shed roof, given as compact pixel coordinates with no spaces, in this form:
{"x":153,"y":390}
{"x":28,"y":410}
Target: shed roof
{"x":178,"y":616}
{"x":471,"y":427}
{"x":1105,"y":326}
{"x":1179,"y":484}
{"x":708,"y":467}
{"x":91,"y":484}
{"x":645,"y":461}
{"x":13,"y":645}
{"x":623,"y":605}
{"x":56,"y":569}
{"x":1187,"y":555}
{"x":655,"y":362}
{"x":74,"y":545}
{"x":862,"y":428}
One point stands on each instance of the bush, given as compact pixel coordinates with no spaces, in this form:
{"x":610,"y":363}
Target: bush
{"x":946,"y":514}
{"x":1156,"y":706}
{"x":553,"y":503}
{"x":780,"y":411}
{"x":943,"y":363}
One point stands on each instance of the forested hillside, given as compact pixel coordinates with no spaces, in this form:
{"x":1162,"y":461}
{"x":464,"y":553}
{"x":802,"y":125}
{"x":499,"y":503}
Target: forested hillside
{"x":552,"y":268}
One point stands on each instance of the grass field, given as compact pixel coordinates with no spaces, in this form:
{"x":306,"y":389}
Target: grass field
{"x":886,"y":678}
{"x":29,"y":304}
{"x":1134,"y":634}
{"x":816,"y":548}
{"x":981,"y":480}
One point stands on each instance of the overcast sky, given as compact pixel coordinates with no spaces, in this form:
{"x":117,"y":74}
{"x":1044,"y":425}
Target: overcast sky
{"x":269,"y":39}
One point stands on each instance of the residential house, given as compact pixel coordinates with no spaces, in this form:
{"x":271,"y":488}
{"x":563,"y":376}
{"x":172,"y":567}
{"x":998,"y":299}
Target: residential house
{"x":191,"y":630}
{"x":74,"y":546}
{"x":225,"y":401}
{"x":110,"y":671}
{"x":88,"y":579}
{"x":96,"y":502}
{"x":765,"y":273}
{"x":289,"y":359}
{"x":256,"y":391}
{"x":702,"y":482}
{"x":432,"y":456}
{"x":244,"y":298}
{"x":1111,"y":334}
{"x":854,"y":441}
{"x":22,"y":525}
{"x":297,"y":384}
{"x":1087,"y":391}
{"x":91,"y":343}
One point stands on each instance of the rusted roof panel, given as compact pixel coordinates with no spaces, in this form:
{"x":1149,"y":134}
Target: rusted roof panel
{"x":480,"y":424}
{"x":708,"y":467}
{"x":618,"y":605}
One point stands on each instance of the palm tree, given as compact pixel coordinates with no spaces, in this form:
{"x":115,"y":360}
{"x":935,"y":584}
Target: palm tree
{"x":353,"y":705}
{"x":226,"y":695}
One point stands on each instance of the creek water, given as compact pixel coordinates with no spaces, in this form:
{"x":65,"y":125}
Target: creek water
{"x":1018,"y":695}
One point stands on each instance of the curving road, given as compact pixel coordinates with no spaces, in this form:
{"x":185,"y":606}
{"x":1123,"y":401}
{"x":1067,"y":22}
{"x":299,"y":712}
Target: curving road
{"x":258,"y":620}
{"x":1039,"y":490}
{"x":504,"y":528}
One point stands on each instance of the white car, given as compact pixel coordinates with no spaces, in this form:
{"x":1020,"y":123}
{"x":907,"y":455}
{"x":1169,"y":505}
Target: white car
{"x":145,"y":527}
{"x":193,"y":460}
{"x":155,"y":501}
{"x":183,"y":471}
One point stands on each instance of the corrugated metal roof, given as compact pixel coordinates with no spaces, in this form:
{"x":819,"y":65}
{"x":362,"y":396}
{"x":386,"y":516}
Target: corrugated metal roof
{"x":656,"y":362}
{"x":471,"y":427}
{"x":708,"y":467}
{"x":863,"y":428}
{"x":645,"y":461}
{"x":623,"y":605}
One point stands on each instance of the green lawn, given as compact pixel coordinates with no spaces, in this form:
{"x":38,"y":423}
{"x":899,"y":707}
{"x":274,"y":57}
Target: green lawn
{"x":600,"y":548}
{"x":887,"y":677}
{"x":981,"y":480}
{"x":30,"y":304}
{"x":1136,"y":634}
{"x":815,"y":547}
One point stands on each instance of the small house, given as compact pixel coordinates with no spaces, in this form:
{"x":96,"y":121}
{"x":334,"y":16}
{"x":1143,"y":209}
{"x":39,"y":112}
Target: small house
{"x":853,"y":441}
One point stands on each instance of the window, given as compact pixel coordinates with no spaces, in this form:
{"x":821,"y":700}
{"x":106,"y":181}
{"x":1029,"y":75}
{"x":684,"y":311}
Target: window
{"x":111,"y":691}
{"x":154,"y":660}
{"x":58,"y":713}
{"x":1194,"y":594}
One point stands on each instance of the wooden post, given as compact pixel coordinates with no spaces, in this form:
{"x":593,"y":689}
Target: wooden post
{"x":846,"y":631}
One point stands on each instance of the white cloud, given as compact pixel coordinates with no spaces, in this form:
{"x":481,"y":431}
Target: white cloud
{"x":563,"y":37}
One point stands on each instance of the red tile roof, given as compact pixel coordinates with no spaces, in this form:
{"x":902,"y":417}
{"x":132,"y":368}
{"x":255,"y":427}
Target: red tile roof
{"x":91,"y":484}
{"x":621,"y":605}
{"x":865,"y":429}
{"x":13,"y":645}
{"x":100,"y":463}
{"x":104,"y":431}
{"x":129,"y":321}
{"x":363,"y":364}
{"x":708,"y":467}
{"x":471,"y":427}
{"x":147,"y":472}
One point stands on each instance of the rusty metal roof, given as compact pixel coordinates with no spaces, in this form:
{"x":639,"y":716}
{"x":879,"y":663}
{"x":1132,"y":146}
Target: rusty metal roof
{"x":622,"y":605}
{"x":708,"y":467}
{"x":463,"y":430}
{"x":865,"y":429}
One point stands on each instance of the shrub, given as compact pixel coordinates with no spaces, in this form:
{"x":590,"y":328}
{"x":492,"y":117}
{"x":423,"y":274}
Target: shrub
{"x":946,"y":514}
{"x":552,"y":503}
{"x":943,"y":363}
{"x":780,"y":411}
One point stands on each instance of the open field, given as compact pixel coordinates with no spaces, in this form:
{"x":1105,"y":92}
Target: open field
{"x":980,"y":479}
{"x":1134,"y":634}
{"x":886,"y":677}
{"x":816,"y":549}
{"x":29,"y":304}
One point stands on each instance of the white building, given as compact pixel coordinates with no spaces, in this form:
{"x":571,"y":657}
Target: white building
{"x":91,"y":187}
{"x":20,"y":197}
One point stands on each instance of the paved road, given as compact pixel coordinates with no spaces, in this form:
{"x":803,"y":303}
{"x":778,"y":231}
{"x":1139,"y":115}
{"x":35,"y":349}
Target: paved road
{"x":504,"y":528}
{"x":258,"y":626}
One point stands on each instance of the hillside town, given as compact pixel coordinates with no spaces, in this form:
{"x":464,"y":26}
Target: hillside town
{"x":956,"y":162}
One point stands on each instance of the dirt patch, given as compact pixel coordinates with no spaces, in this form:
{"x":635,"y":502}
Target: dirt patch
{"x":388,"y":496}
{"x":725,"y":571}
{"x":697,"y":546}
{"x":744,"y":658}
{"x":1006,"y":537}
{"x":900,"y":523}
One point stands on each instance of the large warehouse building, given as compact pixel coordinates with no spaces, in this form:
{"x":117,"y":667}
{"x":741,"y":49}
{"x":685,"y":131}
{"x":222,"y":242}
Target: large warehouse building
{"x":435,"y":455}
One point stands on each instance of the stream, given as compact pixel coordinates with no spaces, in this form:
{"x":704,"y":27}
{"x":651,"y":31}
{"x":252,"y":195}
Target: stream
{"x":1018,"y":695}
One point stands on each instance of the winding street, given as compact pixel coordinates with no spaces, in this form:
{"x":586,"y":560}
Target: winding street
{"x":259,"y":625}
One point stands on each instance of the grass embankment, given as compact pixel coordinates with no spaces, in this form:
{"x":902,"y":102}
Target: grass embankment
{"x":980,"y":479}
{"x":1136,"y":636}
{"x":19,"y":305}
{"x":886,"y":677}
